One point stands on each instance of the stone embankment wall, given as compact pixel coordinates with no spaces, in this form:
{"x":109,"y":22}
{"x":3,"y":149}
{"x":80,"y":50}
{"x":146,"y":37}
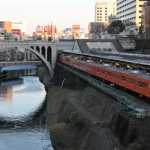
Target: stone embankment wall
{"x":82,"y":117}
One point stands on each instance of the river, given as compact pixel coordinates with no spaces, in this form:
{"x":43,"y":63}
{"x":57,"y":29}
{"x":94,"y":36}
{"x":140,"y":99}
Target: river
{"x":23,"y":115}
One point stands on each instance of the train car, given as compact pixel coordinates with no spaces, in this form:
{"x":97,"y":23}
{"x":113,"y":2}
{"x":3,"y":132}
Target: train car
{"x":135,"y":80}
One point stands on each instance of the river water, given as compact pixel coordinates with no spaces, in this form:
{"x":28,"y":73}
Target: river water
{"x":23,"y":116}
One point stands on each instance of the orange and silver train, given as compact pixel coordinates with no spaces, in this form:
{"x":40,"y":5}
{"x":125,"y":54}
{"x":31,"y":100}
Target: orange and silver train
{"x":133,"y":80}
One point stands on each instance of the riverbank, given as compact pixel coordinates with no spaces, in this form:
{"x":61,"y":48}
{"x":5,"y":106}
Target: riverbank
{"x":82,"y":117}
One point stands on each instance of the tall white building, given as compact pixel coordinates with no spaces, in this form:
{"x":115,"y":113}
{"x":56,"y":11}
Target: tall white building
{"x":129,"y":11}
{"x":103,"y":10}
{"x":19,"y":25}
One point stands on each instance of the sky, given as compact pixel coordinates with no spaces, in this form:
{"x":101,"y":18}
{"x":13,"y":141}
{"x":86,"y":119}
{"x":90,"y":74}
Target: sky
{"x":62,"y":13}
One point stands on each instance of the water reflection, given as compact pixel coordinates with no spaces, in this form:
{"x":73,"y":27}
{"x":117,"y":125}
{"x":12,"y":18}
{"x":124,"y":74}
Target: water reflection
{"x":23,"y":115}
{"x":20,"y":101}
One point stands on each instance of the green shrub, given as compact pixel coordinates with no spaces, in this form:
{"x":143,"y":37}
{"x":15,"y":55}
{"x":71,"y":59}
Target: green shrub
{"x":73,"y":116}
{"x":64,"y":100}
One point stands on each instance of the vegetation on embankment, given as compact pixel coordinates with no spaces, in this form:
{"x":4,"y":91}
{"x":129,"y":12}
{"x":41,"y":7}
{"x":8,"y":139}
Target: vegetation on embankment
{"x":82,"y":117}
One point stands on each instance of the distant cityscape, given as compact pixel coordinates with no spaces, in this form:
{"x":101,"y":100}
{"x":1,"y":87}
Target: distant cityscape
{"x":133,"y":15}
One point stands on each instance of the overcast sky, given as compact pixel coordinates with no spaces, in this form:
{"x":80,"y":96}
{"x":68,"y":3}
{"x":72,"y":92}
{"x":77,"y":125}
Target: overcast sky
{"x":62,"y":13}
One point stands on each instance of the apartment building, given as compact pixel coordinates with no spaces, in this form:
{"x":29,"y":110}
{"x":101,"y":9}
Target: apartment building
{"x":129,"y":11}
{"x":103,"y":10}
{"x":6,"y":25}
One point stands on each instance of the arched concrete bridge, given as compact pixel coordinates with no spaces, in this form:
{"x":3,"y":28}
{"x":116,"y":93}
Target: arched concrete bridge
{"x":46,"y":51}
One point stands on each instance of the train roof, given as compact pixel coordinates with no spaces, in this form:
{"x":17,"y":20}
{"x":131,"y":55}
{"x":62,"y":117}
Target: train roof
{"x":136,"y":73}
{"x":138,"y":59}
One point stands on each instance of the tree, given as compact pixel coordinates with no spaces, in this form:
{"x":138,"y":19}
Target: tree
{"x":116,"y":27}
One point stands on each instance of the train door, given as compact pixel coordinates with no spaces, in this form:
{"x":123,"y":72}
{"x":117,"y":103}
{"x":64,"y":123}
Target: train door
{"x":112,"y":76}
{"x":147,"y":87}
{"x":108,"y":76}
{"x":131,"y":83}
{"x":116,"y":76}
{"x":103,"y":72}
{"x":122,"y":79}
{"x":83,"y":66}
{"x":93,"y":70}
{"x":141,"y":87}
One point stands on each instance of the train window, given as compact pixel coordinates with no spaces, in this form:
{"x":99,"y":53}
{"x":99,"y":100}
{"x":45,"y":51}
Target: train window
{"x":103,"y":71}
{"x":131,"y":81}
{"x":123,"y":78}
{"x":141,"y":84}
{"x":108,"y":73}
{"x":98,"y":70}
{"x":89,"y":67}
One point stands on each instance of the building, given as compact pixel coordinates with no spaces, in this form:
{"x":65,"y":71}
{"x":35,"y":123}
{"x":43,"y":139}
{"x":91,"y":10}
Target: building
{"x":129,"y":11}
{"x":145,"y":20}
{"x":95,"y":29}
{"x":19,"y":25}
{"x":7,"y":25}
{"x":68,"y":31}
{"x":2,"y":33}
{"x":111,"y":18}
{"x":76,"y":31}
{"x":50,"y":29}
{"x":103,"y":10}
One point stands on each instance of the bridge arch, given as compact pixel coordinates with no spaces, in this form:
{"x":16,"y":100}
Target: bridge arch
{"x":46,"y":63}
